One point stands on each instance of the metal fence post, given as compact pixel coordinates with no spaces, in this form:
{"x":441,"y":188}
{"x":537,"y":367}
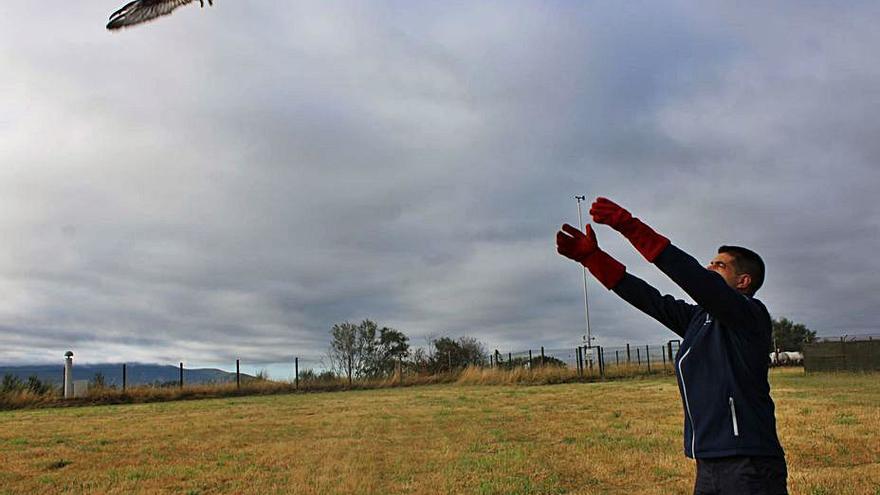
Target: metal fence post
{"x":181,"y":375}
{"x":296,"y":373}
{"x":510,"y":360}
{"x":237,"y":375}
{"x":542,"y":356}
{"x":638,"y":357}
{"x":648,"y":357}
{"x":580,"y":361}
{"x":628,"y":357}
{"x":530,"y":359}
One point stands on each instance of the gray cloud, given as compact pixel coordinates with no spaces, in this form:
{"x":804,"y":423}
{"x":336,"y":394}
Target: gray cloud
{"x":231,"y":181}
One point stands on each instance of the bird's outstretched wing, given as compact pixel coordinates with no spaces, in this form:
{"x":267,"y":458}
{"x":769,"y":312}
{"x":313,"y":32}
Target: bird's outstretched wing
{"x":139,"y":11}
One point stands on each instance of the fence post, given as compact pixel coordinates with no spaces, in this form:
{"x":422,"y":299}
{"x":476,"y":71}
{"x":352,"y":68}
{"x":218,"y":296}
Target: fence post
{"x":530,"y":359}
{"x":628,"y":359}
{"x":237,"y":374}
{"x":181,"y":375}
{"x":123,"y":377}
{"x":349,"y":369}
{"x":616,"y":358}
{"x":510,"y":360}
{"x":648,"y":357}
{"x":601,"y":362}
{"x":664,"y":358}
{"x":638,"y":357}
{"x":542,"y":356}
{"x":296,"y":373}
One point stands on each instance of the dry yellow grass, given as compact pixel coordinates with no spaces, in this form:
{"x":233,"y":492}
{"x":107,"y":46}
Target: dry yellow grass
{"x":551,"y":375}
{"x":602,"y":437}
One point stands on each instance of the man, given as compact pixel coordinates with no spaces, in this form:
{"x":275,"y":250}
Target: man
{"x":721,"y":366}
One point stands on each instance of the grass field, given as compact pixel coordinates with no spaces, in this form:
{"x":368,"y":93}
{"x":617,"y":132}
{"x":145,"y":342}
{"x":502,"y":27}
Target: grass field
{"x":610,"y":437}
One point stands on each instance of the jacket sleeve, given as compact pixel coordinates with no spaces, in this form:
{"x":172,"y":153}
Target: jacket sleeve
{"x":708,"y":289}
{"x":674,"y":314}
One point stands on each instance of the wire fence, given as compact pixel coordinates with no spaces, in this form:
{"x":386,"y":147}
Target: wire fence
{"x":578,"y":362}
{"x":585,"y":361}
{"x":849,"y":338}
{"x":595,"y":361}
{"x":846,"y":353}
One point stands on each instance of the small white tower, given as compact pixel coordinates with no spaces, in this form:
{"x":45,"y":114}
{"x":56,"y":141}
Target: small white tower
{"x":68,"y":374}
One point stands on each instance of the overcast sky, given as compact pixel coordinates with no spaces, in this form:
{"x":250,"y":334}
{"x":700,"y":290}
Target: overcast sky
{"x":231,"y":181}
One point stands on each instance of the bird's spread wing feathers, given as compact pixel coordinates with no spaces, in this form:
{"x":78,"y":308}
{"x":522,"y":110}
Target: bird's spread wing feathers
{"x":140,"y":11}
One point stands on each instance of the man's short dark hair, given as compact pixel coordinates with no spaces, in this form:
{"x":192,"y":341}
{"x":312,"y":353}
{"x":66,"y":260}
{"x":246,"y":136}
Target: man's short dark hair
{"x":746,"y":261}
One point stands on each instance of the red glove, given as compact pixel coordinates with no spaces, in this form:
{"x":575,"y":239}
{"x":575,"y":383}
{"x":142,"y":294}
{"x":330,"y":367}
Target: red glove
{"x":583,"y":248}
{"x":645,"y":240}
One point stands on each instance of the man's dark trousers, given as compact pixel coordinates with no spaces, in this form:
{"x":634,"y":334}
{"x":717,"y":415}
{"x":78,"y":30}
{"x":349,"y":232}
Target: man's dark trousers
{"x":741,"y":475}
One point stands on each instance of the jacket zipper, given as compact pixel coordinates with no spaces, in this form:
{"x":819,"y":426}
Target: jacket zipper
{"x":687,"y":405}
{"x":733,"y":415}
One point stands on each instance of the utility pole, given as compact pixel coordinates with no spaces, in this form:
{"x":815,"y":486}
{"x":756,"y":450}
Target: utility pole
{"x":586,"y":300}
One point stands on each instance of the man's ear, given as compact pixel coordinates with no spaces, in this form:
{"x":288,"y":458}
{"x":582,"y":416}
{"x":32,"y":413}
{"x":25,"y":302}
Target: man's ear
{"x":744,"y":282}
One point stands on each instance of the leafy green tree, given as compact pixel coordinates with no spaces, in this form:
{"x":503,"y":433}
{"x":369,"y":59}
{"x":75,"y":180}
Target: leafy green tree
{"x":391,"y":347}
{"x":449,"y":354}
{"x":365,"y":350}
{"x":790,"y":336}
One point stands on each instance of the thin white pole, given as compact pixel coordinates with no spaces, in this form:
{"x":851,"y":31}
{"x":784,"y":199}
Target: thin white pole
{"x":586,"y":300}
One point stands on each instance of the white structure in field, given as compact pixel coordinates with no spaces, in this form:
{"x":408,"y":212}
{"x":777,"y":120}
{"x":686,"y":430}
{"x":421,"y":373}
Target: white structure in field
{"x":68,"y":374}
{"x":80,"y":388}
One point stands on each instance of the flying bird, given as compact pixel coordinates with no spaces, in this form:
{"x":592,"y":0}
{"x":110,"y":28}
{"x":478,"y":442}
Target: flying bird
{"x":139,"y":11}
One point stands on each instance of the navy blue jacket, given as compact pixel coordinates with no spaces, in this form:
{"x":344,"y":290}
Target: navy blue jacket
{"x":722,"y":362}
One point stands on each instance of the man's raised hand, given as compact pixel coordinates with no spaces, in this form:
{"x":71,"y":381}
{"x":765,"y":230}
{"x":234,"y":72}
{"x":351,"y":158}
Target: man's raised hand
{"x":576,"y":245}
{"x":649,"y":243}
{"x":609,"y":213}
{"x":583,"y":248}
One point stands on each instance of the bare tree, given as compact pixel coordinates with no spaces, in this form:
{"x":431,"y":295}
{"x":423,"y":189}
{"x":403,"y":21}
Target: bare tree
{"x":343,"y":348}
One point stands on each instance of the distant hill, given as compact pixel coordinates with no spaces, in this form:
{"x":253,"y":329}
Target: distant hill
{"x":136,"y":373}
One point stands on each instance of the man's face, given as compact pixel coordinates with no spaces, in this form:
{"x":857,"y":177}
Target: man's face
{"x":723,"y":264}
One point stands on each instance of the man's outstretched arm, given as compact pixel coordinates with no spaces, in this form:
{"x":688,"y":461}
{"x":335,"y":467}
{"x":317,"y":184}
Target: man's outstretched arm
{"x":583,"y":248}
{"x":706,"y":287}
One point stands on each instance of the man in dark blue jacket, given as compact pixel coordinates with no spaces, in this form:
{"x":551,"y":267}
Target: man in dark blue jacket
{"x":721,"y":366}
